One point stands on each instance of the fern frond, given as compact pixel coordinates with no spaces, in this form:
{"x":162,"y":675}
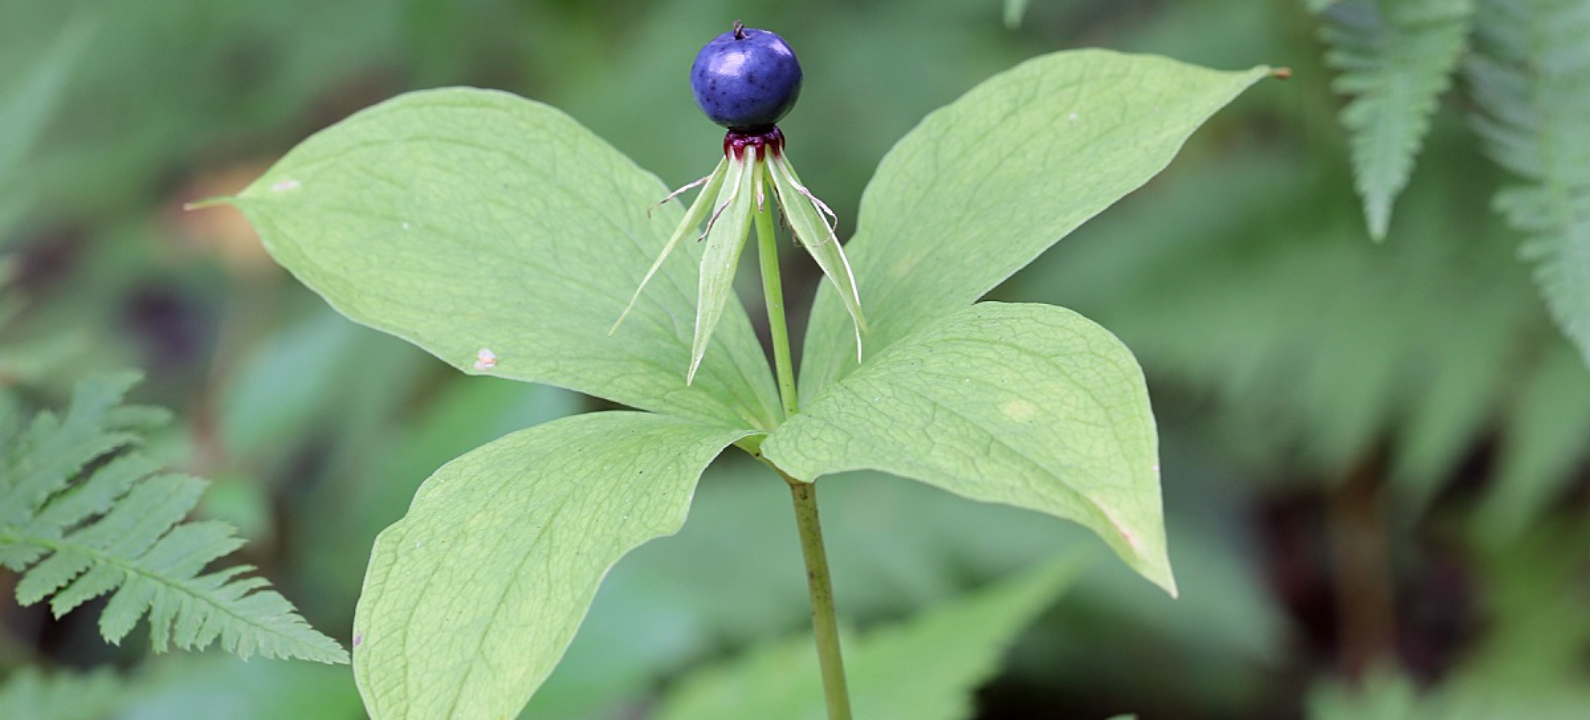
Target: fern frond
{"x":83,"y":514}
{"x":1530,"y":75}
{"x":1395,"y":57}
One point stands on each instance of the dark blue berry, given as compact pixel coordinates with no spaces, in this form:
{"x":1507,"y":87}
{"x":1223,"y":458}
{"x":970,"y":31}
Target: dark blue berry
{"x":746,"y":79}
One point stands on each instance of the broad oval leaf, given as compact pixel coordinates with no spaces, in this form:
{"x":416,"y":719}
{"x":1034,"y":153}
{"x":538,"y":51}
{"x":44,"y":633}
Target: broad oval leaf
{"x":506,"y":239}
{"x":1027,"y":405}
{"x":986,"y":183}
{"x":472,"y":597}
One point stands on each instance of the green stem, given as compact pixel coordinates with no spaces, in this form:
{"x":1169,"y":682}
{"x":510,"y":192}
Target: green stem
{"x":773,"y":292}
{"x":825,"y":624}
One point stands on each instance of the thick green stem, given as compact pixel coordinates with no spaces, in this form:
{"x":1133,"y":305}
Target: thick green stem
{"x":825,"y":624}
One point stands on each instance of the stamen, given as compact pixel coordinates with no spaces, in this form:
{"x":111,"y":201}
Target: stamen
{"x":716,"y":213}
{"x":677,"y":193}
{"x":830,"y":218}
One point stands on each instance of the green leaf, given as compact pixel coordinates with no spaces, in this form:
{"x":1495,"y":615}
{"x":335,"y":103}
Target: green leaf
{"x":1543,"y":447}
{"x":923,"y":669}
{"x":31,"y":694}
{"x":726,"y":231}
{"x":1395,"y":57}
{"x":471,"y":598}
{"x":1027,"y":405}
{"x":118,"y":528}
{"x":1530,"y":75}
{"x":985,"y":184}
{"x":26,"y":108}
{"x":501,"y":236}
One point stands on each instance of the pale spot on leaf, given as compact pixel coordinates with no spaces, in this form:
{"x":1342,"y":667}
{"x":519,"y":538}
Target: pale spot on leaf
{"x":1019,"y":410}
{"x":286,"y":185}
{"x":485,"y":359}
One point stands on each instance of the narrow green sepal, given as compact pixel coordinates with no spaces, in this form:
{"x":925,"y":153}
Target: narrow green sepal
{"x":726,"y":233}
{"x":805,"y":214}
{"x":687,"y":225}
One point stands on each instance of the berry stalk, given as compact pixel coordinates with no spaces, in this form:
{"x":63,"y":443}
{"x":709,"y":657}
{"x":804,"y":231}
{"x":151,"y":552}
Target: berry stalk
{"x":773,"y":292}
{"x":825,"y":622}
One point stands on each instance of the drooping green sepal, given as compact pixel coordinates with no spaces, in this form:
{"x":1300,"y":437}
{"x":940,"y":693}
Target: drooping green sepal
{"x":698,"y":211}
{"x":726,"y":233}
{"x":813,"y":232}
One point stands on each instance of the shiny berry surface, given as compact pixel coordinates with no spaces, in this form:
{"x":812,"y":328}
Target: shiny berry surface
{"x":746,"y":79}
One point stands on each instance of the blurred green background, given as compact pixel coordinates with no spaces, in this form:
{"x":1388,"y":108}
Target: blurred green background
{"x":1375,"y":455}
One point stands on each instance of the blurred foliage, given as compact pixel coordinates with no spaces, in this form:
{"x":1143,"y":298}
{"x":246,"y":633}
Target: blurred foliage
{"x":901,"y":671}
{"x":1531,"y":663}
{"x":1309,"y":383}
{"x":1528,"y":73}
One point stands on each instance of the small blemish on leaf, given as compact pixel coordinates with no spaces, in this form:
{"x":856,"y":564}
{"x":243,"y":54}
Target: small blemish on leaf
{"x":1120,"y":527}
{"x":1072,"y":117}
{"x":358,"y":639}
{"x":286,"y":185}
{"x":1019,"y":410}
{"x":485,"y":359}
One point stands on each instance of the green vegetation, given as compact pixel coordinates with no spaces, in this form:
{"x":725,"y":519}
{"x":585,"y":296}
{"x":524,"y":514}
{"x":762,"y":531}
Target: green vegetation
{"x":1373,"y":454}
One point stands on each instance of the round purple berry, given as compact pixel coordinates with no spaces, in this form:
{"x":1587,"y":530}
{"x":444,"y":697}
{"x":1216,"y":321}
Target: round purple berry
{"x":746,"y":79}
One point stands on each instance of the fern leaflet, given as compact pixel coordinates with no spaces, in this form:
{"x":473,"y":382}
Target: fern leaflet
{"x":1395,"y":57}
{"x":1531,"y":78}
{"x":83,"y":514}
